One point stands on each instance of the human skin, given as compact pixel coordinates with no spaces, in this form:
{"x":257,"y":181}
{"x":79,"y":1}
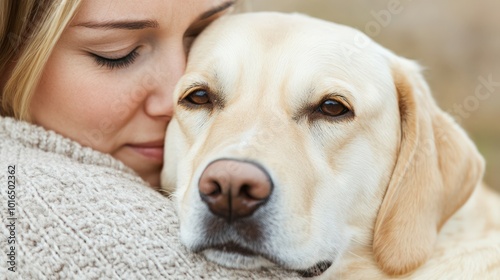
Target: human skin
{"x":108,"y":83}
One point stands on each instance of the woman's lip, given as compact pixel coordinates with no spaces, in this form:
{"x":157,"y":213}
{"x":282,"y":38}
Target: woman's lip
{"x":154,"y":144}
{"x":152,"y":150}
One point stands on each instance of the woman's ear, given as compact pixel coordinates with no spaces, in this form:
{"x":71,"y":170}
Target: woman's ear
{"x":436,"y":171}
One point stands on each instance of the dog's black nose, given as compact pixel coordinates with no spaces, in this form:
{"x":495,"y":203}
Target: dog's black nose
{"x":234,"y":189}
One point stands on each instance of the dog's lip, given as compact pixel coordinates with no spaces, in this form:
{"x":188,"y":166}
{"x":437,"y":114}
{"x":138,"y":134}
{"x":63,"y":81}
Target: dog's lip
{"x":232,"y":247}
{"x":315,"y":270}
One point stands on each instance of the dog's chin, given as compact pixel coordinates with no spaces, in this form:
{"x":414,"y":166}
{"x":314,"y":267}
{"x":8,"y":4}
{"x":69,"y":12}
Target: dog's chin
{"x":245,"y":260}
{"x":237,"y":260}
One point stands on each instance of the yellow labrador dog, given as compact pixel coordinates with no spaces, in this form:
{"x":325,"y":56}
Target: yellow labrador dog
{"x":302,"y":143}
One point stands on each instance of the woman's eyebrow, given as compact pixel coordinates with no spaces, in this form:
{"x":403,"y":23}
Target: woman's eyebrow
{"x":122,"y":24}
{"x":216,"y":10}
{"x":143,"y":24}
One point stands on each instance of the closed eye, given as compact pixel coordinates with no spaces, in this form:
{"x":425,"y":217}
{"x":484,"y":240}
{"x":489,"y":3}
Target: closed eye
{"x":113,"y":63}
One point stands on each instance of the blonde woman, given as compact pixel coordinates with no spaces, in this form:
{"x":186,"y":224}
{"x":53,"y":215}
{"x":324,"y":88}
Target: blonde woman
{"x":85,"y":101}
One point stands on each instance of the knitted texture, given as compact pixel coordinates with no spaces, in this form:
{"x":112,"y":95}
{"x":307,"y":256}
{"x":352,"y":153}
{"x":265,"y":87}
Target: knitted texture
{"x":82,"y":214}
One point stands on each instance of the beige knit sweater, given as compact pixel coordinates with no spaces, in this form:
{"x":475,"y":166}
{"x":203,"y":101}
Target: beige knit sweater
{"x":81,"y":214}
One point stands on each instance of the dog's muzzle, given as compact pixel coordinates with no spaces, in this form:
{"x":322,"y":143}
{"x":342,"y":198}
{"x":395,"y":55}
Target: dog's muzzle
{"x":233,"y":190}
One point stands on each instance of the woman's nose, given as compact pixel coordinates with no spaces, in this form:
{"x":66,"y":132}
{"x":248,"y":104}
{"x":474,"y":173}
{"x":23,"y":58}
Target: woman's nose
{"x":163,"y":77}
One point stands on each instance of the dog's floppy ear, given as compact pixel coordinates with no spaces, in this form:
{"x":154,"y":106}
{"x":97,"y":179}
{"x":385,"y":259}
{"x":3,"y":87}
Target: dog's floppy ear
{"x":436,"y":171}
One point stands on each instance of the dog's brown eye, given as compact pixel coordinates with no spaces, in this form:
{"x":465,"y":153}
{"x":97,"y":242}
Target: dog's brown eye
{"x":333,"y":108}
{"x":198,"y":97}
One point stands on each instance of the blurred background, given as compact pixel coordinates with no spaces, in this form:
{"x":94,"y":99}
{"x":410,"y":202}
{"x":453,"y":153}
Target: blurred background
{"x":457,"y":41}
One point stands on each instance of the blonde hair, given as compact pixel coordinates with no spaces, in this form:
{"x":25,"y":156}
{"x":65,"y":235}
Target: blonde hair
{"x":29,"y":30}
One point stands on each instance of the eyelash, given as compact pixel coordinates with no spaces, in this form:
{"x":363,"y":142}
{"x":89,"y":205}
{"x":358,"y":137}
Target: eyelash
{"x":121,"y":62}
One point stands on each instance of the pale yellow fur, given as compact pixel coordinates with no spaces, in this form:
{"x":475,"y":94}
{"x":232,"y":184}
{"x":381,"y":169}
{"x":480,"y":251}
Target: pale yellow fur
{"x":395,"y":192}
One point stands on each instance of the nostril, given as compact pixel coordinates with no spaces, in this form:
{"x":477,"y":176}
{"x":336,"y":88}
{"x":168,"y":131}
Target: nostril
{"x":217,"y":190}
{"x":254,"y":191}
{"x":210,"y":188}
{"x":245,"y":190}
{"x":258,"y":190}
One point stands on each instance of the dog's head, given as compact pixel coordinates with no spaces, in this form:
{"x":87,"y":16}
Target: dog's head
{"x":296,"y":140}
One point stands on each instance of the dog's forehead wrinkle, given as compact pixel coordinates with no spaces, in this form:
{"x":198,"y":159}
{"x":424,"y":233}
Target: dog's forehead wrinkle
{"x":297,"y":61}
{"x":314,"y":73}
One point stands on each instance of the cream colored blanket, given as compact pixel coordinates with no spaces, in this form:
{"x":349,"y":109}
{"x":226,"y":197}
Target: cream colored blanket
{"x":70,"y":212}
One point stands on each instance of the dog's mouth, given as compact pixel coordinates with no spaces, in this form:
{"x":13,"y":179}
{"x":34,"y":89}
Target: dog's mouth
{"x":234,"y":248}
{"x":315,"y":270}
